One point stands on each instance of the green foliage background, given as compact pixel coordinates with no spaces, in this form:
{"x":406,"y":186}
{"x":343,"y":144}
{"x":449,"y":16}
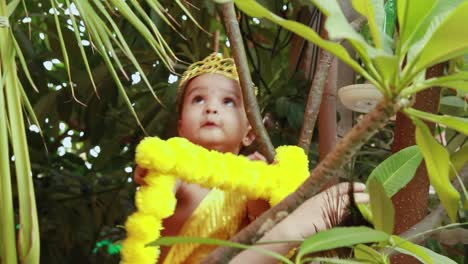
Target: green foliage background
{"x":82,"y":165}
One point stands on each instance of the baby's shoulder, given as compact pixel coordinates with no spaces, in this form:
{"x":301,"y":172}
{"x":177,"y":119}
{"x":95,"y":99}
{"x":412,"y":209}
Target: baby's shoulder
{"x":188,"y":193}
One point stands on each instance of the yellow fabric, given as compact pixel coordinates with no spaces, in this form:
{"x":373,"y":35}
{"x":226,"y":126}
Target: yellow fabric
{"x":219,"y":216}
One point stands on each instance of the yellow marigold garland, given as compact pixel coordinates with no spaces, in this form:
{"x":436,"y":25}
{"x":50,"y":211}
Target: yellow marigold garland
{"x":178,"y":158}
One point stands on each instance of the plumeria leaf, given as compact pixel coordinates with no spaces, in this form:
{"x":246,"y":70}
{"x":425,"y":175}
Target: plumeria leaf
{"x":383,"y":213}
{"x":397,"y":170}
{"x":411,"y":249}
{"x":340,"y":237}
{"x":437,"y":163}
{"x":365,"y":253}
{"x":254,"y":9}
{"x":169,"y":241}
{"x":374,"y":11}
{"x":448,"y":40}
{"x":458,"y":123}
{"x":457,"y":80}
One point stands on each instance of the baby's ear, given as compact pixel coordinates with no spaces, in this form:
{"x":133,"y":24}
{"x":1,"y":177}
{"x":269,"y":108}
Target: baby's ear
{"x":249,"y":138}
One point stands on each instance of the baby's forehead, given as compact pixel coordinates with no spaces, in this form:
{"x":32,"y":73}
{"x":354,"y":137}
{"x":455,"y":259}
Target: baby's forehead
{"x":213,"y":83}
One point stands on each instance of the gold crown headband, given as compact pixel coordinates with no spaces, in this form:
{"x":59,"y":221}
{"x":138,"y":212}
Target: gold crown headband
{"x":214,"y":63}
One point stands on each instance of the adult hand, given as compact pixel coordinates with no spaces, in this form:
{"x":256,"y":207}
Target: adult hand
{"x":321,"y":211}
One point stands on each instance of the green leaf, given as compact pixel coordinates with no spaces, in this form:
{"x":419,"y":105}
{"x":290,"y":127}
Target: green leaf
{"x":411,"y":249}
{"x":82,"y":51}
{"x":425,"y":16}
{"x":397,"y":170}
{"x":63,"y":47}
{"x":458,"y":123}
{"x":169,"y":241}
{"x":340,"y":237}
{"x":449,"y":40}
{"x":390,"y":17}
{"x":437,"y":161}
{"x":156,"y":41}
{"x":128,"y":52}
{"x":437,"y":258}
{"x":330,"y":260}
{"x":457,"y":80}
{"x":338,"y":28}
{"x":23,"y":63}
{"x":386,"y":65}
{"x":373,"y":10}
{"x":383,"y":213}
{"x":28,"y":235}
{"x":189,"y":15}
{"x":7,"y":221}
{"x":366,"y":212}
{"x":11,"y":7}
{"x":365,"y":253}
{"x":254,"y":9}
{"x":411,"y":14}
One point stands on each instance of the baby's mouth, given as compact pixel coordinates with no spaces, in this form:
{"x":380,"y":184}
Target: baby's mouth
{"x":209,"y":124}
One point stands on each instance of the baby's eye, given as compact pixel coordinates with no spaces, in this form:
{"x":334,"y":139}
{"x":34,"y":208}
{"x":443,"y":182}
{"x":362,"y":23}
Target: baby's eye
{"x":198,"y":99}
{"x":229,"y":102}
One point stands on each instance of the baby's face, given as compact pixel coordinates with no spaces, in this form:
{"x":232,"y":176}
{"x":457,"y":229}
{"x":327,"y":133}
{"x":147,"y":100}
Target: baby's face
{"x":213,"y":115}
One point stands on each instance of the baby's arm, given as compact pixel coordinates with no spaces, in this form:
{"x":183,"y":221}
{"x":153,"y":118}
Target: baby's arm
{"x":306,"y":220}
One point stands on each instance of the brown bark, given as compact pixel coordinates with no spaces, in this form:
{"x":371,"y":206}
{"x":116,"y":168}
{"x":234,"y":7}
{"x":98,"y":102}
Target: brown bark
{"x":250,"y":102}
{"x":411,"y":202}
{"x":314,"y":99}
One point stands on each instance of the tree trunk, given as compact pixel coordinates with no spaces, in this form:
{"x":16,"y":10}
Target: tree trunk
{"x":411,"y":201}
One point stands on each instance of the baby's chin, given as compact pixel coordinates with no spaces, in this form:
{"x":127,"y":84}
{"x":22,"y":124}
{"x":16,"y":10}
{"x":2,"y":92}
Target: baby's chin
{"x":215,"y":144}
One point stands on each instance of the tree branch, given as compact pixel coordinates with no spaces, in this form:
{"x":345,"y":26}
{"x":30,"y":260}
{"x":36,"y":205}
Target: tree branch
{"x":250,"y":102}
{"x":314,"y":99}
{"x":324,"y":171}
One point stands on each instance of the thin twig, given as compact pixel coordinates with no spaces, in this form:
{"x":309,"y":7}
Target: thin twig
{"x":314,"y":100}
{"x":250,"y":103}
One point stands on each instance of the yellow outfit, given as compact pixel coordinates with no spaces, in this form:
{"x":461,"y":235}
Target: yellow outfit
{"x":219,"y":215}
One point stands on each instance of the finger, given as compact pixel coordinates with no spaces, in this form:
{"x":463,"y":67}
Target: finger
{"x":260,"y":156}
{"x":339,"y":189}
{"x":343,"y":188}
{"x":256,"y":156}
{"x":359,"y":187}
{"x":361,"y":197}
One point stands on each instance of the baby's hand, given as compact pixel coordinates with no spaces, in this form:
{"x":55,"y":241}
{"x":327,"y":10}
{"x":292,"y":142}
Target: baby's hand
{"x":257,"y":156}
{"x":139,"y":175}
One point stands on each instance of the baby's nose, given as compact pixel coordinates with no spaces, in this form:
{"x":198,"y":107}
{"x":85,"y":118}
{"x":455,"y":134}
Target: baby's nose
{"x":211,"y":110}
{"x":211,"y":107}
